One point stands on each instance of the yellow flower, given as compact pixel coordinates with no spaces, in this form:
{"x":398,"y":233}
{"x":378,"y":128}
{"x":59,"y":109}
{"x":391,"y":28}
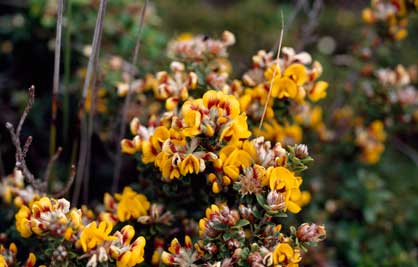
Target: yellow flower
{"x":100,"y":101}
{"x":210,"y":211}
{"x":3,"y":262}
{"x":284,"y":87}
{"x":236,"y":130}
{"x":190,"y":164}
{"x":274,"y":70}
{"x":287,"y":134}
{"x":131,"y":205}
{"x":231,"y":160}
{"x":185,"y":36}
{"x":253,"y":102}
{"x":134,"y":253}
{"x":227,"y":103}
{"x":401,"y":34}
{"x":92,"y":236}
{"x":284,"y":181}
{"x":192,"y":117}
{"x":23,"y":221}
{"x":371,"y":153}
{"x":176,"y":249}
{"x":151,"y":148}
{"x":128,"y":147}
{"x":285,"y":255}
{"x":378,"y":131}
{"x":304,"y":199}
{"x":31,"y":261}
{"x":318,"y":91}
{"x":368,"y":16}
{"x":297,"y":73}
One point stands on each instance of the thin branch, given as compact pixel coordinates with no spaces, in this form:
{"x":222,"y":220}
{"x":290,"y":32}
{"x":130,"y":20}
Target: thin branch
{"x":116,"y":173}
{"x":274,"y":72}
{"x":67,"y":72}
{"x":51,"y":163}
{"x":26,"y":146}
{"x":84,"y":124}
{"x":55,"y":87}
{"x":308,"y":29}
{"x":90,"y":128}
{"x":28,"y":107}
{"x":68,"y":184}
{"x":21,"y":153}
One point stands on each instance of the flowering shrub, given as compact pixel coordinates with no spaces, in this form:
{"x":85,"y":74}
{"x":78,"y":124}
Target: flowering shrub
{"x":200,"y":136}
{"x":220,"y":149}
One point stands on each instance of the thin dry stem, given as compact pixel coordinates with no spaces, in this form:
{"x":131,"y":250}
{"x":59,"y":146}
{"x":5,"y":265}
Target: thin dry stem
{"x":308,"y":29}
{"x":27,"y":145}
{"x":90,"y":129}
{"x":84,"y":135}
{"x":28,"y":107}
{"x":21,"y":152}
{"x":116,"y":173}
{"x":51,"y":163}
{"x":55,"y":87}
{"x":274,"y":72}
{"x":68,"y":184}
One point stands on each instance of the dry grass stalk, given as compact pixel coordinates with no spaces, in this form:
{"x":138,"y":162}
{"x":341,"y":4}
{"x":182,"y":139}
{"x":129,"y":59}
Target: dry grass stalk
{"x":55,"y":87}
{"x":274,"y":72}
{"x":118,"y":161}
{"x":84,"y":134}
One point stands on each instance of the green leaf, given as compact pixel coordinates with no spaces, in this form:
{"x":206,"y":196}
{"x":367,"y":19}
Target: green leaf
{"x":220,"y":227}
{"x":227,"y":235}
{"x":260,"y":200}
{"x":241,"y":223}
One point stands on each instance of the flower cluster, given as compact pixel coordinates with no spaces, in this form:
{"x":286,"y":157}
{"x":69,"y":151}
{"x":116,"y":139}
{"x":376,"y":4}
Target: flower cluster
{"x":202,"y":138}
{"x":199,"y":48}
{"x":99,"y":245}
{"x":13,"y":188}
{"x":292,"y":80}
{"x":397,"y":85}
{"x":370,"y":140}
{"x":206,"y":134}
{"x":48,"y":216}
{"x":8,"y":257}
{"x":392,"y":13}
{"x":53,"y":219}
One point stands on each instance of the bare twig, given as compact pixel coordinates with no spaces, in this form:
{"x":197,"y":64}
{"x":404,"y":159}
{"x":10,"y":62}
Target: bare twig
{"x":51,"y":162}
{"x":21,"y":153}
{"x":116,"y":173}
{"x":55,"y":87}
{"x":84,"y":123}
{"x":28,"y":107}
{"x":26,"y":146}
{"x":38,"y":184}
{"x":313,"y":21}
{"x":68,"y":184}
{"x":274,"y":72}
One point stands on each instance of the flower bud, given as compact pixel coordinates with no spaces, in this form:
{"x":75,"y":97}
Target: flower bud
{"x":211,"y":248}
{"x":276,"y":201}
{"x":301,"y":151}
{"x":311,"y":233}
